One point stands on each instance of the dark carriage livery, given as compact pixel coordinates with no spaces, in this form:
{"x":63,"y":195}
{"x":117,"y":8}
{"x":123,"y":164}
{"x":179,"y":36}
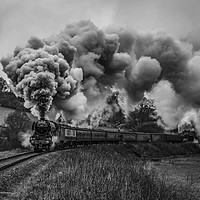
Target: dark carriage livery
{"x":73,"y":136}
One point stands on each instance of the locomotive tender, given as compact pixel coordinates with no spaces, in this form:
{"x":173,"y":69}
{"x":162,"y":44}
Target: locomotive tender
{"x":74,"y":136}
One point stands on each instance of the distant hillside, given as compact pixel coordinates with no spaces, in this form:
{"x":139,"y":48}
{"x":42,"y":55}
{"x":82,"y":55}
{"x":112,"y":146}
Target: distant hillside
{"x":9,"y":100}
{"x":4,"y":113}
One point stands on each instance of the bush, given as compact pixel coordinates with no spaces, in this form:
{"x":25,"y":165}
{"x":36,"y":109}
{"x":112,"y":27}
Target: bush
{"x":16,"y":122}
{"x":4,"y":145}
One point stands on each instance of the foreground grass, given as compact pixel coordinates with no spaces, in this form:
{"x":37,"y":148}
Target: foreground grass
{"x":101,"y":173}
{"x":12,"y":179}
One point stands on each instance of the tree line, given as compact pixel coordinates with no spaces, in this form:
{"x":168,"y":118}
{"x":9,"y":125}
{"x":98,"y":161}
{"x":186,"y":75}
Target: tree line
{"x":143,"y":118}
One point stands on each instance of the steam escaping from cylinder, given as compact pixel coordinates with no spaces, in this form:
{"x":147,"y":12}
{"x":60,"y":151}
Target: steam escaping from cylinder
{"x":25,"y":138}
{"x":55,"y":140}
{"x":75,"y":71}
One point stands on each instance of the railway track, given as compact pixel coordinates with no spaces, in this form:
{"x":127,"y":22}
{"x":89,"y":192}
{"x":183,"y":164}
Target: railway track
{"x":11,"y":161}
{"x":15,"y":156}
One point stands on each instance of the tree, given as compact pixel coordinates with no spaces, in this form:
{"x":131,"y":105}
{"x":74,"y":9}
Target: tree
{"x":117,"y":118}
{"x":15,"y":123}
{"x":6,"y":93}
{"x":144,"y":117}
{"x":3,"y":84}
{"x":114,"y":111}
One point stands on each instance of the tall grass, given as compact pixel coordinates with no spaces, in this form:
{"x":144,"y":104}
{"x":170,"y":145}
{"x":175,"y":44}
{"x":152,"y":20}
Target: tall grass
{"x":101,"y":173}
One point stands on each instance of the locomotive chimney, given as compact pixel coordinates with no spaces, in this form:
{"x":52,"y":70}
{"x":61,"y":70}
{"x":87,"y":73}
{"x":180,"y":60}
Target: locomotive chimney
{"x":42,"y":113}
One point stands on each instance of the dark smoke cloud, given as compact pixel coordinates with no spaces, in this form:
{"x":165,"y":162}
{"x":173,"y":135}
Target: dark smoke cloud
{"x":142,"y":77}
{"x":83,"y":63}
{"x":127,"y":37}
{"x":97,"y":55}
{"x":193,"y":37}
{"x":172,"y":56}
{"x":39,"y":72}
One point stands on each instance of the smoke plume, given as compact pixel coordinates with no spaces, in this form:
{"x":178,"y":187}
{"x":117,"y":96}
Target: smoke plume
{"x":25,"y":138}
{"x":170,"y":105}
{"x":73,"y":71}
{"x":101,"y":115}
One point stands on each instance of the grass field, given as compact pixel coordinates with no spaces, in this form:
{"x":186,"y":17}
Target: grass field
{"x":101,"y":172}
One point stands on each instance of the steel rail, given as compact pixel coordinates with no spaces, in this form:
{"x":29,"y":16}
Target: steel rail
{"x":15,"y":156}
{"x":11,"y":164}
{"x":32,"y":155}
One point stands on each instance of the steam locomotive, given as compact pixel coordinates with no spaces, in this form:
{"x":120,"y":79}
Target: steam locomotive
{"x":41,"y":140}
{"x":73,"y":136}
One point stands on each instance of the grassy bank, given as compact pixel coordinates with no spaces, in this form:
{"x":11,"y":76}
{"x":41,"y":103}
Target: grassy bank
{"x":100,"y":172}
{"x":161,"y":149}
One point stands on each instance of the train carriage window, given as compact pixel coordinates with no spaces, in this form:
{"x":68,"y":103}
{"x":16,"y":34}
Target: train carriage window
{"x":98,"y":134}
{"x":70,"y":133}
{"x":83,"y":133}
{"x":74,"y":133}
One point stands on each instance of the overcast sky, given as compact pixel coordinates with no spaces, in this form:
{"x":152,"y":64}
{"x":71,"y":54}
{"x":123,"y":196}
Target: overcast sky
{"x":20,"y":19}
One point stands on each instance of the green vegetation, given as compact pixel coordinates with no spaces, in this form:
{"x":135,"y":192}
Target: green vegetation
{"x":8,"y":99}
{"x":162,"y":149}
{"x":16,"y":123}
{"x":144,"y":117}
{"x":103,"y":172}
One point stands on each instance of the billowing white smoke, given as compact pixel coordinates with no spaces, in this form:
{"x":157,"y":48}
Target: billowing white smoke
{"x":197,"y":125}
{"x":55,"y":139}
{"x":170,"y":106}
{"x":25,"y":138}
{"x":39,"y":74}
{"x":67,"y":73}
{"x":189,"y":119}
{"x":122,"y":100}
{"x":97,"y":116}
{"x":105,"y":110}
